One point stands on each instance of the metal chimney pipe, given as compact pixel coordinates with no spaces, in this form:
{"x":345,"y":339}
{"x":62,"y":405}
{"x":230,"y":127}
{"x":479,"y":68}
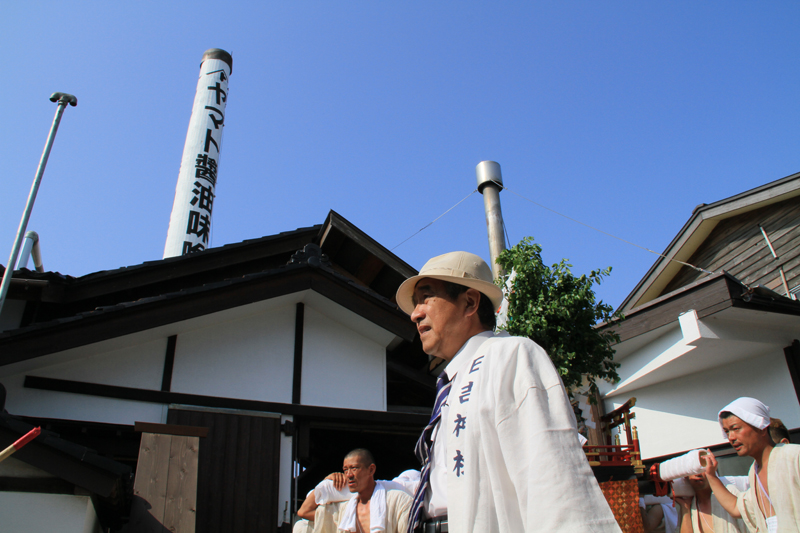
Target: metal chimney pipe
{"x":490,"y":182}
{"x":190,"y":221}
{"x":31,"y":248}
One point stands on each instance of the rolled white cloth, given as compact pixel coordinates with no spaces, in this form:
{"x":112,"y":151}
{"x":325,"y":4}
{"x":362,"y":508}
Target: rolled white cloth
{"x":408,"y":480}
{"x":682,"y":488}
{"x":749,"y":410}
{"x":325,"y":492}
{"x":685,"y":465}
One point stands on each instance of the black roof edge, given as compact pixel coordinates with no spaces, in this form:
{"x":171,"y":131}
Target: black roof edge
{"x":336,"y":220}
{"x":226,"y":248}
{"x":22,"y":337}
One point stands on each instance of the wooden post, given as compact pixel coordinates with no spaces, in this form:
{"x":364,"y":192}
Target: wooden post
{"x":150,"y":485}
{"x":165,"y":488}
{"x":181,"y":510}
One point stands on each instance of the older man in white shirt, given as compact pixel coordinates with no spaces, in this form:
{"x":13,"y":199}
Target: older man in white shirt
{"x":501,"y":452}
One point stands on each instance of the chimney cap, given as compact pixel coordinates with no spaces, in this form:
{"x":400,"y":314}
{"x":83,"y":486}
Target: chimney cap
{"x":218,"y":53}
{"x":488,"y":172}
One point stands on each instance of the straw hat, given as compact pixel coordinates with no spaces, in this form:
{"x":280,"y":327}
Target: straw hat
{"x":461,"y":268}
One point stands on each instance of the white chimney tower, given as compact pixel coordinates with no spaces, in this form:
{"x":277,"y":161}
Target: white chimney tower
{"x":190,"y":222}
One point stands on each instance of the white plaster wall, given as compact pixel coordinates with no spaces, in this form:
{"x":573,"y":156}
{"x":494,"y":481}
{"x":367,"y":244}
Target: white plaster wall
{"x":248,"y":358}
{"x":45,"y":513}
{"x":341,"y":367}
{"x":681,"y":414}
{"x":69,"y":406}
{"x":654,"y":354}
{"x":138,"y":366}
{"x":246,"y":353}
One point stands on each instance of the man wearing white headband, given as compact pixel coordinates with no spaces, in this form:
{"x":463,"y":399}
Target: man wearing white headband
{"x":773,"y":499}
{"x":501,"y":451}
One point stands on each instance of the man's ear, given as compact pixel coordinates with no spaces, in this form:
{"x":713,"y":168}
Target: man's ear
{"x":472,"y":298}
{"x":765,"y":434}
{"x":372,"y":469}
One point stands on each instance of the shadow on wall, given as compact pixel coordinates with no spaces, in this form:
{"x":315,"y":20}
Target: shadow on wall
{"x":141,"y":519}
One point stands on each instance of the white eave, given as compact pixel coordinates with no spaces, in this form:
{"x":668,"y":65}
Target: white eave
{"x":691,"y":345}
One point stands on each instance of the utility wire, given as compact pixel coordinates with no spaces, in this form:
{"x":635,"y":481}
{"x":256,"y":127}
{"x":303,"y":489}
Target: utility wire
{"x":604,"y":232}
{"x":508,"y":241}
{"x":435,"y":219}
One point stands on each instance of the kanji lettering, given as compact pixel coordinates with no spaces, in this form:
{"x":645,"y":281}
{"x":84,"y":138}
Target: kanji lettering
{"x":475,"y":364}
{"x":217,"y":121}
{"x":198,"y":225}
{"x":222,"y":76}
{"x":220,"y":92}
{"x":461,"y":423}
{"x":206,"y":168}
{"x":459,"y":459}
{"x":188,"y":248}
{"x":209,"y":140}
{"x":203,"y":196}
{"x":466,"y":390}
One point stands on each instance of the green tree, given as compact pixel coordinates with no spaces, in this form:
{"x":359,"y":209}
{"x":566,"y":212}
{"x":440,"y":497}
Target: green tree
{"x":558,"y":311}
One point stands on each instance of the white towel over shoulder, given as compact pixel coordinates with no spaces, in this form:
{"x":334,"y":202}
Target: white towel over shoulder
{"x":377,"y":511}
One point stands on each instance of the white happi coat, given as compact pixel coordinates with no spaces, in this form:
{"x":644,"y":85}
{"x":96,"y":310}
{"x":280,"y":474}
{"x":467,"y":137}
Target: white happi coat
{"x":303,"y":526}
{"x":514,"y":461}
{"x":783,"y":478}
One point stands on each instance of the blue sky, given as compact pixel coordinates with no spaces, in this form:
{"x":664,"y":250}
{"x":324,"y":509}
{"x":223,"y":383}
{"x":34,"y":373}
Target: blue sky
{"x":624,"y":115}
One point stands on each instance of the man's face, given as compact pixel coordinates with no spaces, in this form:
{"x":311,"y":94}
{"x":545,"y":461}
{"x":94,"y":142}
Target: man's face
{"x":698,"y":482}
{"x":744,"y":438}
{"x":357,"y":474}
{"x":439,"y":320}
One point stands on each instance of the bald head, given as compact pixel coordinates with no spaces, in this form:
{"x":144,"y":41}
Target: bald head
{"x":362,"y":455}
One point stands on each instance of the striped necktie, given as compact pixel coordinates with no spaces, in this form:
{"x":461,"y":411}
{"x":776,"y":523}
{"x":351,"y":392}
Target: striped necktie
{"x":423,"y":452}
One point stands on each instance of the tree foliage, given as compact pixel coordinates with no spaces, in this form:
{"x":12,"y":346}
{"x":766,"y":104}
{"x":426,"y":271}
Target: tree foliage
{"x":558,"y":311}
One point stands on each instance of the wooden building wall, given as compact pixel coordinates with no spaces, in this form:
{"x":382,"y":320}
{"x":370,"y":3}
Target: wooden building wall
{"x":737,"y":246}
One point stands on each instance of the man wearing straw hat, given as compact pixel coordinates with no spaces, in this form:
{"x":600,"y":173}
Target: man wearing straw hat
{"x":501,"y":452}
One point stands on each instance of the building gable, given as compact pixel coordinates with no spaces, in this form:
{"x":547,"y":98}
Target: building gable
{"x":716,"y":229}
{"x":739,"y":246}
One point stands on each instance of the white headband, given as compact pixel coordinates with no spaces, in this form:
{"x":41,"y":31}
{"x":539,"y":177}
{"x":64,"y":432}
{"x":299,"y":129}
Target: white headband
{"x":749,"y":410}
